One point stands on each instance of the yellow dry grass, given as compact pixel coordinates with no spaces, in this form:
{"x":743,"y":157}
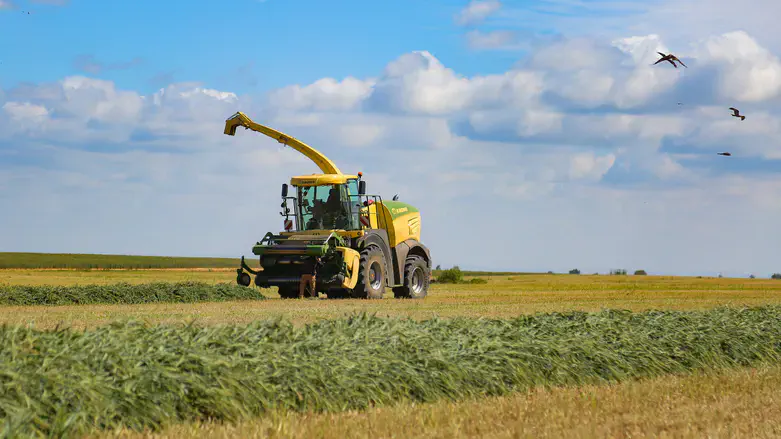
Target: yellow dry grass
{"x":502,"y":296}
{"x":732,"y":404}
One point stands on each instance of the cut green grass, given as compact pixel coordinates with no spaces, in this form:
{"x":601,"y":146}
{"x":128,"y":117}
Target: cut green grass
{"x":501,"y":297}
{"x":139,"y":377}
{"x":732,"y":403}
{"x":125,"y":293}
{"x":78,"y":261}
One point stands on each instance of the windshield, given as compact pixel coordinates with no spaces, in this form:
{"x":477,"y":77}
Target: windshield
{"x":326,"y":208}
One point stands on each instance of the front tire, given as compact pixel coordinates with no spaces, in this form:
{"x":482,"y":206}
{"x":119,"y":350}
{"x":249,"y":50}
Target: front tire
{"x":416,"y":279}
{"x":243,"y":279}
{"x":371,"y":277}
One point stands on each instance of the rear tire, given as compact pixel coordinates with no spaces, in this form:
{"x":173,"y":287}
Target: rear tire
{"x":416,"y":279}
{"x":371,"y":274}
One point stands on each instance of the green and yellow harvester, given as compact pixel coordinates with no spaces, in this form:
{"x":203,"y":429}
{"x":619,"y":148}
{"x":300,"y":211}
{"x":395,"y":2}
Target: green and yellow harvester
{"x":340,"y":241}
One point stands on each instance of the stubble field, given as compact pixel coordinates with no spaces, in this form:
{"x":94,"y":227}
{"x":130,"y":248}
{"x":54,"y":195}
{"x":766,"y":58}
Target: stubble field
{"x":711,"y":391}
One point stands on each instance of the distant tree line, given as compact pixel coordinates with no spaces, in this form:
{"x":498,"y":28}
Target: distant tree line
{"x":455,"y":275}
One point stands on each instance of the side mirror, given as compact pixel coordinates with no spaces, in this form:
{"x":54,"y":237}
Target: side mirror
{"x":284,"y":190}
{"x":361,"y":187}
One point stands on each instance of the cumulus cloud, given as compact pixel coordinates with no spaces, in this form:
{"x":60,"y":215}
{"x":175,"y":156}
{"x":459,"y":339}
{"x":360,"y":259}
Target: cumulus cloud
{"x":477,"y":11}
{"x":580,"y":149}
{"x":686,"y":23}
{"x":323,"y":94}
{"x":748,"y":72}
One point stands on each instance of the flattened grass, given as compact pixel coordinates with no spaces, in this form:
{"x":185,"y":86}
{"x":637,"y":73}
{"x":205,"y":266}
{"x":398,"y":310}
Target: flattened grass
{"x":125,"y":293}
{"x":135,"y":376}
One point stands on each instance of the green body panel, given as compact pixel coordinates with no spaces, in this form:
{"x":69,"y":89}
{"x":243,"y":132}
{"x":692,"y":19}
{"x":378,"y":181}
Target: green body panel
{"x":398,"y":209}
{"x":309,"y":250}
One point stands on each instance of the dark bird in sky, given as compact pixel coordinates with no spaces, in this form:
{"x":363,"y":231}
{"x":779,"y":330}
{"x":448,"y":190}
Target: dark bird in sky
{"x":736,"y":113}
{"x":724,"y":153}
{"x":396,"y":197}
{"x":672,"y":59}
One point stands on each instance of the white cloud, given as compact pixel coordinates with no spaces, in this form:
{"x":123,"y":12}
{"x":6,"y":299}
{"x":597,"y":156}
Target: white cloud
{"x":685,"y":23}
{"x":26,"y":110}
{"x":499,"y":39}
{"x":417,"y":82}
{"x":477,"y":11}
{"x":589,"y":166}
{"x":323,"y":94}
{"x":749,"y":72}
{"x":580,"y":149}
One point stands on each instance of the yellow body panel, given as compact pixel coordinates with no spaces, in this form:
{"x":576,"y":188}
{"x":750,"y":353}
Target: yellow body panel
{"x":404,"y":228}
{"x":320,"y":179}
{"x":352,"y":260}
{"x":400,"y":229}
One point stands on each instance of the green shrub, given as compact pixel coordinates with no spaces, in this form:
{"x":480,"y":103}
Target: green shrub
{"x":478,"y":280}
{"x":61,"y":383}
{"x":640,"y":273}
{"x":451,"y":276}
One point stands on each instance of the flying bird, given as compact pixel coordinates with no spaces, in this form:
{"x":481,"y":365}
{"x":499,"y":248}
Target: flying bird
{"x":724,"y":153}
{"x":669,"y":58}
{"x":736,"y":113}
{"x":396,"y":197}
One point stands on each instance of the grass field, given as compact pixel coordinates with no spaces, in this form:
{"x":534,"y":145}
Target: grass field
{"x":502,"y":296}
{"x":77,"y":261}
{"x":730,"y":404}
{"x":740,"y":403}
{"x":138,"y":376}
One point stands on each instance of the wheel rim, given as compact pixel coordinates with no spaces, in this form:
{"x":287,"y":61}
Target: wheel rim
{"x":417,"y":281}
{"x":375,"y":276}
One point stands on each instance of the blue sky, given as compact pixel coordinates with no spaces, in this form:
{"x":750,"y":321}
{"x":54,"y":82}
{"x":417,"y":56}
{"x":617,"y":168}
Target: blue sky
{"x":543,"y":118}
{"x":270,"y":44}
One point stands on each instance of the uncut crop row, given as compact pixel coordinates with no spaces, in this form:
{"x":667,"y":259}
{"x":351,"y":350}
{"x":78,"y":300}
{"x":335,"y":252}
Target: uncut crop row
{"x":137,"y":376}
{"x":125,"y":293}
{"x":89,"y":261}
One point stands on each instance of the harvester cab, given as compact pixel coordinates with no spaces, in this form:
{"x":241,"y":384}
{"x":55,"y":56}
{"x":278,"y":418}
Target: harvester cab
{"x":337,"y":239}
